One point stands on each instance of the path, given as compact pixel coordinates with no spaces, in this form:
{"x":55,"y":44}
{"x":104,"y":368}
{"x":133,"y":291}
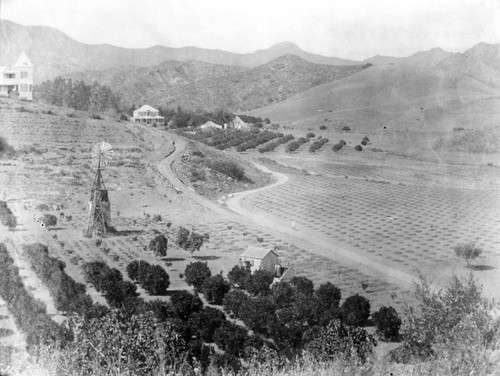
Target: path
{"x":314,"y":242}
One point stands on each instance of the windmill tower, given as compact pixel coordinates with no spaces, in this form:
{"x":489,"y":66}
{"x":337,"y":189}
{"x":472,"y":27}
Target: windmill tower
{"x":99,"y":221}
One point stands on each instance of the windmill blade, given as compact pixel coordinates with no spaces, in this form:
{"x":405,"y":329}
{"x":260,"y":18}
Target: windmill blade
{"x":101,"y":154}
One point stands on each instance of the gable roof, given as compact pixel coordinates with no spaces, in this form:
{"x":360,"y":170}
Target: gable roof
{"x":257,"y":252}
{"x":210,"y":123}
{"x":23,"y":61}
{"x":146,"y":108}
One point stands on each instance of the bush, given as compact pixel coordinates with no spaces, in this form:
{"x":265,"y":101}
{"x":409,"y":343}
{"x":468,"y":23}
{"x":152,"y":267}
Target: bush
{"x":159,"y":245}
{"x":467,"y":251}
{"x":358,"y":148}
{"x":228,"y":168}
{"x":339,"y":146}
{"x":323,"y":128}
{"x":5,"y":148}
{"x":196,"y":273}
{"x":387,"y":322}
{"x":7,"y":218}
{"x":215,"y":288}
{"x":341,"y":340}
{"x":356,"y":310}
{"x":133,"y":270}
{"x":47,"y":220}
{"x":310,"y":135}
{"x":365,"y":141}
{"x":346,"y":129}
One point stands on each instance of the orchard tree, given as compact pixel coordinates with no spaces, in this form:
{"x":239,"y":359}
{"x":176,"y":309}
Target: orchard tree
{"x":196,"y":273}
{"x":184,"y":304}
{"x":159,"y":245}
{"x":467,"y":251}
{"x":303,"y":285}
{"x":356,"y":310}
{"x":387,"y":322}
{"x":328,"y":296}
{"x":239,"y":274}
{"x":233,"y":301}
{"x":259,"y":282}
{"x":215,"y":288}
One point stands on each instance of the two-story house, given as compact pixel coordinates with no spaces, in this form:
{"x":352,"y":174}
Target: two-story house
{"x":147,"y":115}
{"x":17,"y":80}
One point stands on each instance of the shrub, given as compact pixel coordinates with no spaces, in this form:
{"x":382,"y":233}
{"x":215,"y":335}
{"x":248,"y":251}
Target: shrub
{"x":228,"y":168}
{"x":259,"y":282}
{"x":5,"y":148}
{"x":339,"y":146}
{"x":341,"y":340}
{"x":346,"y":129}
{"x":358,"y":148}
{"x":215,"y":288}
{"x":467,"y":251}
{"x":310,"y":135}
{"x":323,"y":128}
{"x":159,"y":245}
{"x":47,"y":220}
{"x":356,"y":310}
{"x":7,"y":218}
{"x":387,"y":322}
{"x":365,"y":141}
{"x":196,"y":273}
{"x":191,"y":241}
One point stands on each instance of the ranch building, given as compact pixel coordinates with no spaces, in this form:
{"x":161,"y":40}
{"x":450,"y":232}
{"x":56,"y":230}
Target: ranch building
{"x":17,"y":80}
{"x":147,"y":115}
{"x":267,"y":259}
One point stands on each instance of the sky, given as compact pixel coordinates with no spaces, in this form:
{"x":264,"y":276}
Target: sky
{"x":355,"y":29}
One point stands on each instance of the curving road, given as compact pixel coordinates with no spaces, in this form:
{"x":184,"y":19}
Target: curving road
{"x":314,"y":242}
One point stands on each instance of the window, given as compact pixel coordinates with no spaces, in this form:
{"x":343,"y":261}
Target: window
{"x":24,"y":74}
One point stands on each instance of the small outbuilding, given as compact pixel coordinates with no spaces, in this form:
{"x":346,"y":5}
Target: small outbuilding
{"x":267,"y":259}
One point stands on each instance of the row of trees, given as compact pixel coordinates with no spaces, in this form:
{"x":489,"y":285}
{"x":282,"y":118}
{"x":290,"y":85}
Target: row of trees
{"x":294,"y":145}
{"x":316,"y":145}
{"x":79,"y":95}
{"x":68,"y":295}
{"x":109,"y":282}
{"x":29,"y":313}
{"x":271,"y":145}
{"x":153,"y":278}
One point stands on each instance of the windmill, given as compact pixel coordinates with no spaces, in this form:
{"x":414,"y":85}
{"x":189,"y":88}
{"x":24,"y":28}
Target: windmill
{"x":99,"y":221}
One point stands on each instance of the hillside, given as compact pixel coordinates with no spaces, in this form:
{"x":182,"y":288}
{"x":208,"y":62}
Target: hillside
{"x":54,"y":53}
{"x":461,"y":90}
{"x":270,"y":83}
{"x":140,"y":84}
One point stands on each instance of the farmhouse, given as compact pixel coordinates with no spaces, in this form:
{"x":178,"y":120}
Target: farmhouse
{"x":209,"y":125}
{"x":237,"y":123}
{"x":267,"y":259}
{"x":147,"y":115}
{"x":17,"y":80}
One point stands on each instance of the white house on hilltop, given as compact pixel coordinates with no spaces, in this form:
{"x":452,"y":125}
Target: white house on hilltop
{"x":147,"y":115}
{"x":17,"y":80}
{"x":267,"y":259}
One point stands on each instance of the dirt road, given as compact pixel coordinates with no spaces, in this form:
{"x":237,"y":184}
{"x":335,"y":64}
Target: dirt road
{"x":314,"y":242}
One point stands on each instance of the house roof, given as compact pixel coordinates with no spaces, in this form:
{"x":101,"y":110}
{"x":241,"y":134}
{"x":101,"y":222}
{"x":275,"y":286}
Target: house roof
{"x":146,"y":108}
{"x":257,"y":252}
{"x":210,"y":123}
{"x":23,"y":61}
